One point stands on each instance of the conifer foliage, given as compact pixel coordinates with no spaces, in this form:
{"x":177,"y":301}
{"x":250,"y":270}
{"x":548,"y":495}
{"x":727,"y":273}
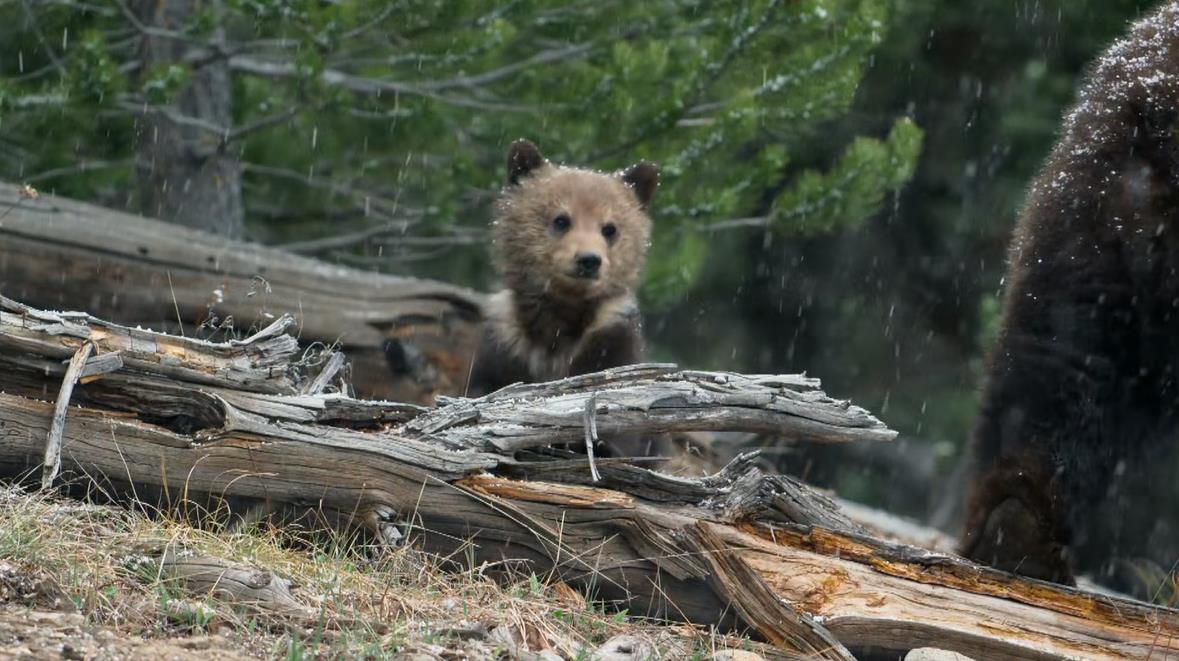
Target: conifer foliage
{"x":375,"y":131}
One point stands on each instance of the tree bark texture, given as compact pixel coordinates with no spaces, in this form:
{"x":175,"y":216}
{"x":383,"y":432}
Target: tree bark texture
{"x":186,"y":175}
{"x":57,"y":253}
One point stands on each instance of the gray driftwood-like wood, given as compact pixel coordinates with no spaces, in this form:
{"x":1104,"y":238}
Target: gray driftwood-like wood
{"x":672,"y":400}
{"x":261,"y":362}
{"x":238,"y":584}
{"x":474,"y":480}
{"x":52,"y":463}
{"x":58,"y":253}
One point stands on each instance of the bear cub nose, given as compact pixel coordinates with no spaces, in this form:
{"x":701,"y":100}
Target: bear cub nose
{"x":588,"y":264}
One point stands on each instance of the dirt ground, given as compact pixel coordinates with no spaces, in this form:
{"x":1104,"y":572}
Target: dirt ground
{"x":27,"y":633}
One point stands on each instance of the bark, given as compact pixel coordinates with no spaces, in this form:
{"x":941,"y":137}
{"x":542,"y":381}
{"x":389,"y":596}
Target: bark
{"x":60,"y":254}
{"x":186,"y":175}
{"x":476,"y":481}
{"x":250,"y":587}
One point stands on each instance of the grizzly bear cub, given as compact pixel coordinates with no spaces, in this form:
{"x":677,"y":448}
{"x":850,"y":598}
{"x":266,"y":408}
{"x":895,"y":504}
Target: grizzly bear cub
{"x":1081,"y":402}
{"x":569,"y":244}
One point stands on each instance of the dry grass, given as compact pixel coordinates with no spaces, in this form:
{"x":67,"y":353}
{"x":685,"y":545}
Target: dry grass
{"x":104,"y":564}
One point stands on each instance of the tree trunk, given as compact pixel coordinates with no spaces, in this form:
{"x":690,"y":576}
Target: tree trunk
{"x":186,"y":176}
{"x":190,"y":424}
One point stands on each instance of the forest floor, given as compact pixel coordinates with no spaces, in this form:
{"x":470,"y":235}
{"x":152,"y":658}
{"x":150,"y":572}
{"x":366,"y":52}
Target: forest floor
{"x":82,"y":581}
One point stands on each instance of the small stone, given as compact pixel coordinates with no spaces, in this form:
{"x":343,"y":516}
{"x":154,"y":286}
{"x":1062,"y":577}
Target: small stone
{"x":544,"y":655}
{"x":934,"y":654}
{"x":737,"y":655}
{"x":625,"y":648}
{"x":503,"y":638}
{"x":463,"y":631}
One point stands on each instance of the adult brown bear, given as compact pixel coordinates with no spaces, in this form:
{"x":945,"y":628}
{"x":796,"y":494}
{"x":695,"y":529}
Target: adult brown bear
{"x":1081,"y":402}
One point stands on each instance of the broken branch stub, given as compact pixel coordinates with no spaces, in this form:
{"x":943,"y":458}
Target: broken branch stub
{"x":52,"y":462}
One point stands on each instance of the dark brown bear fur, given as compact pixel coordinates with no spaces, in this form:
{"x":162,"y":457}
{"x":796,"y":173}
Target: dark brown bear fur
{"x":570,"y":246}
{"x":1081,"y":394}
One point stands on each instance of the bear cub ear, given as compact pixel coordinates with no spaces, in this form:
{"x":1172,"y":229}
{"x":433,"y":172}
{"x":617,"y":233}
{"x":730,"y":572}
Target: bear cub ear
{"x":523,"y":158}
{"x":643,"y":179}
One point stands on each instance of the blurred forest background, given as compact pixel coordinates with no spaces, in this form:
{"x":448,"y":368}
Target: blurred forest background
{"x":840,"y":177}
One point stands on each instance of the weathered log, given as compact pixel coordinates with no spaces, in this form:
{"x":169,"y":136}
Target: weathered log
{"x":235,"y":583}
{"x":261,"y":362}
{"x":474,"y":480}
{"x":58,"y":253}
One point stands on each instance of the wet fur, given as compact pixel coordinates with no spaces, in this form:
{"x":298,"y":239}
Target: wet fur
{"x":1081,"y":389}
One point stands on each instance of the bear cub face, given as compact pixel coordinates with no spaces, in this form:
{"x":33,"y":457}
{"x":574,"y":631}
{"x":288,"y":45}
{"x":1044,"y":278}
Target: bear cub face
{"x":569,"y":234}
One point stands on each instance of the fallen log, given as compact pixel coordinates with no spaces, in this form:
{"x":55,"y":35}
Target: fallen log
{"x":59,"y":253}
{"x":477,"y":481}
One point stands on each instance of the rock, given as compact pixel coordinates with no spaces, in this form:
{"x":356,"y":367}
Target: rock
{"x":463,"y":631}
{"x":423,"y":653}
{"x":505,"y":639}
{"x":625,"y":648}
{"x":934,"y":654}
{"x":545,"y":655}
{"x":737,"y":655}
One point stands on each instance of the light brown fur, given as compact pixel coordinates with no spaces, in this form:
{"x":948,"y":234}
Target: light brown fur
{"x":531,"y":259}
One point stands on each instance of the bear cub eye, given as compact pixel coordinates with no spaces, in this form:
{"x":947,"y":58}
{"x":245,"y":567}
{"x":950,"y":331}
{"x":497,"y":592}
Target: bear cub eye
{"x":561,"y":223}
{"x":610,"y":231}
